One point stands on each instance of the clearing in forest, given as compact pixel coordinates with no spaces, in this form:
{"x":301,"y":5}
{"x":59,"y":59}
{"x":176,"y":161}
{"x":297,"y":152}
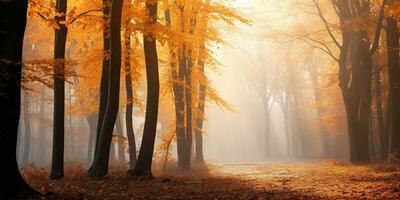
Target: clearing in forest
{"x":231,"y":181}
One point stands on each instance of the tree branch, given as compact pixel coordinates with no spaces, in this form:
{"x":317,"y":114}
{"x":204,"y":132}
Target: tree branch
{"x":326,"y":24}
{"x":327,"y":51}
{"x":378,"y":28}
{"x":84,"y":13}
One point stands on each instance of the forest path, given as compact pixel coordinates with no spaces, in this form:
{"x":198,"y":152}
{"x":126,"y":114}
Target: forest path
{"x":232,"y":181}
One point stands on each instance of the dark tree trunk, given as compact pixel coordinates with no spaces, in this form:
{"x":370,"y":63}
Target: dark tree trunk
{"x":129,"y":95}
{"x":120,"y":132}
{"x":358,"y":107}
{"x":379,"y":113}
{"x":394,"y":79}
{"x":105,"y":72}
{"x":357,"y":97}
{"x":92,"y":120}
{"x":27,"y":129}
{"x":189,"y":118}
{"x":99,"y":167}
{"x":200,"y":119}
{"x":12,"y":28}
{"x":143,"y":165}
{"x":188,"y":96}
{"x":365,"y":97}
{"x":178,"y":89}
{"x":57,"y":161}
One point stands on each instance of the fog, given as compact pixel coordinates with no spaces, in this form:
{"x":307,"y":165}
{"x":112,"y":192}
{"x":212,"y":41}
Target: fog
{"x":266,"y":80}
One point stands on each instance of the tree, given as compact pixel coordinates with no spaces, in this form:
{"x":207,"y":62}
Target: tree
{"x":189,"y":31}
{"x":105,"y":73}
{"x":143,"y":165}
{"x":129,"y":95}
{"x":57,"y":161}
{"x":201,"y":108}
{"x":177,"y":74}
{"x":356,"y":50}
{"x":392,"y":35}
{"x":99,"y":166}
{"x":12,"y":28}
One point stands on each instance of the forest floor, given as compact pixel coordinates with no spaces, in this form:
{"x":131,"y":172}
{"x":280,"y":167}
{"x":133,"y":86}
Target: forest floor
{"x":326,"y":180}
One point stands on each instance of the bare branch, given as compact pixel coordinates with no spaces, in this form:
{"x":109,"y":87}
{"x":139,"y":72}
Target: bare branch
{"x":320,"y":48}
{"x":84,"y":13}
{"x":326,"y":24}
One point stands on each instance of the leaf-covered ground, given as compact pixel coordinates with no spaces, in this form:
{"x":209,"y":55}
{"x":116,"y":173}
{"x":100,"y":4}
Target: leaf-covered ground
{"x":234,"y":181}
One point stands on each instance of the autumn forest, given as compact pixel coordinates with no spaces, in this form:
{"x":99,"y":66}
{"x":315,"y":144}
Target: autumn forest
{"x":200,"y":99}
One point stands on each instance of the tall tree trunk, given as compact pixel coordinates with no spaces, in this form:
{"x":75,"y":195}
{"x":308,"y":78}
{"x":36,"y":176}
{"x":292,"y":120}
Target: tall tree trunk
{"x":129,"y":95}
{"x":200,"y":119}
{"x":178,"y":89}
{"x":57,"y":161}
{"x":105,"y":72}
{"x":379,"y":113}
{"x":394,"y":78}
{"x":188,"y":95}
{"x":27,"y":129}
{"x":357,"y":97}
{"x":189,"y":117}
{"x":99,"y":167}
{"x":365,"y":104}
{"x":360,"y":96}
{"x":143,"y":165}
{"x":12,"y":28}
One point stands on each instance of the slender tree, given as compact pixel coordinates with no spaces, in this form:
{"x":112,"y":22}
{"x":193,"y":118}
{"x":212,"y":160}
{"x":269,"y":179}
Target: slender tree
{"x":178,"y":91}
{"x":60,"y":38}
{"x":105,"y":72}
{"x":100,"y":163}
{"x":188,"y":94}
{"x":200,"y":119}
{"x":129,"y":98}
{"x":143,"y":165}
{"x":379,"y":112}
